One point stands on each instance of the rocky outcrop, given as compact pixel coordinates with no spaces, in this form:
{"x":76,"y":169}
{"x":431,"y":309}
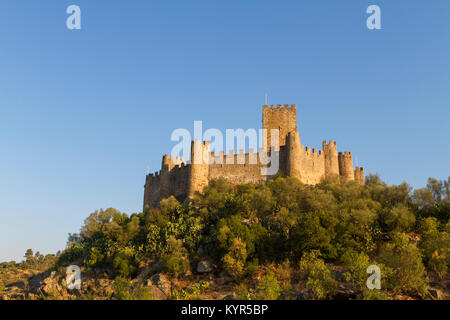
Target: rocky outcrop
{"x":160,"y":287}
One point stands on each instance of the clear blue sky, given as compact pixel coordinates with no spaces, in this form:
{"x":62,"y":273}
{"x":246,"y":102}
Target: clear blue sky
{"x":84,"y":113}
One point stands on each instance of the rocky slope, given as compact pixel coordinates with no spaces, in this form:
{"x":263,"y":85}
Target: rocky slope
{"x":206,"y":283}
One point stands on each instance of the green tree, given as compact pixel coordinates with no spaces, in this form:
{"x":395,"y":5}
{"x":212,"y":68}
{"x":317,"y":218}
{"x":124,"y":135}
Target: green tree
{"x":435,"y":246}
{"x":405,"y":260}
{"x":436,"y":188}
{"x":234,"y":260}
{"x":399,"y":218}
{"x":175,"y":259}
{"x":268,"y":288}
{"x":317,"y":275}
{"x":169,"y":205}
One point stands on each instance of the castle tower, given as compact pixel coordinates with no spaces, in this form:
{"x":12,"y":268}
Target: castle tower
{"x":331,"y":158}
{"x":282,"y":118}
{"x":294,"y":152}
{"x":152,"y":190}
{"x":359,"y":176}
{"x":346,"y":166}
{"x":166,"y":166}
{"x":198,"y":177}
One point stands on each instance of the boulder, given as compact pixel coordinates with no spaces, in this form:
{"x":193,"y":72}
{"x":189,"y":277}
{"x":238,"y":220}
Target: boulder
{"x":51,"y":286}
{"x":161,"y":282}
{"x":156,"y":292}
{"x":204,"y":266}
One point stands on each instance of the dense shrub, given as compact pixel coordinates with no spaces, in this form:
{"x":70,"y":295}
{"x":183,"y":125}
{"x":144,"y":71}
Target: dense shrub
{"x":124,"y":263}
{"x":244,"y":227}
{"x":234,"y":260}
{"x":124,"y":290}
{"x":317,"y":275}
{"x":435,"y":246}
{"x":406,"y":271}
{"x":175,"y":259}
{"x":268,"y":288}
{"x":399,"y":218}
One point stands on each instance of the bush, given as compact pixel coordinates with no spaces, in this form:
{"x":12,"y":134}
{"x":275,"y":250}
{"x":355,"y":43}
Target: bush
{"x":124,"y":264}
{"x":95,"y":258}
{"x":169,"y":205}
{"x":249,"y":233}
{"x":72,"y":254}
{"x":375,"y":295}
{"x":399,"y":219}
{"x":428,"y":225}
{"x":357,"y":264}
{"x":124,"y":290}
{"x":234,"y":260}
{"x":439,"y":262}
{"x":435,"y":247}
{"x":268,"y":288}
{"x":175,"y":260}
{"x":315,"y":231}
{"x":283,"y":271}
{"x":242,"y":292}
{"x":404,"y":259}
{"x":248,"y":225}
{"x":317,"y":275}
{"x":191,"y":293}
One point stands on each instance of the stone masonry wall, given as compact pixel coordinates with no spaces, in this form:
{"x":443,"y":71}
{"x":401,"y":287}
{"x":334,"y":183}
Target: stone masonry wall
{"x":283,"y":118}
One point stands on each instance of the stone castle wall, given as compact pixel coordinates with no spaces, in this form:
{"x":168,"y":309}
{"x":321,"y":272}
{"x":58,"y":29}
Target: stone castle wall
{"x":310,"y":166}
{"x":238,"y":168}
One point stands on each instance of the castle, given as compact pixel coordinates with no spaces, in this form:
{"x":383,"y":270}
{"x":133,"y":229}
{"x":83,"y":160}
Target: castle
{"x":182,"y":179}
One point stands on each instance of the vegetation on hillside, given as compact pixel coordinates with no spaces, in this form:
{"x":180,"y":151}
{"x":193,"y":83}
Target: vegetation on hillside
{"x":281,"y":233}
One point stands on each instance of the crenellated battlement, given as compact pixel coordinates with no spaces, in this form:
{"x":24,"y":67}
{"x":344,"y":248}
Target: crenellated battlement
{"x":182,"y":178}
{"x":154,"y":175}
{"x":330,"y":143}
{"x":249,"y":158}
{"x":169,"y":162}
{"x":313,"y":152}
{"x":279,"y":107}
